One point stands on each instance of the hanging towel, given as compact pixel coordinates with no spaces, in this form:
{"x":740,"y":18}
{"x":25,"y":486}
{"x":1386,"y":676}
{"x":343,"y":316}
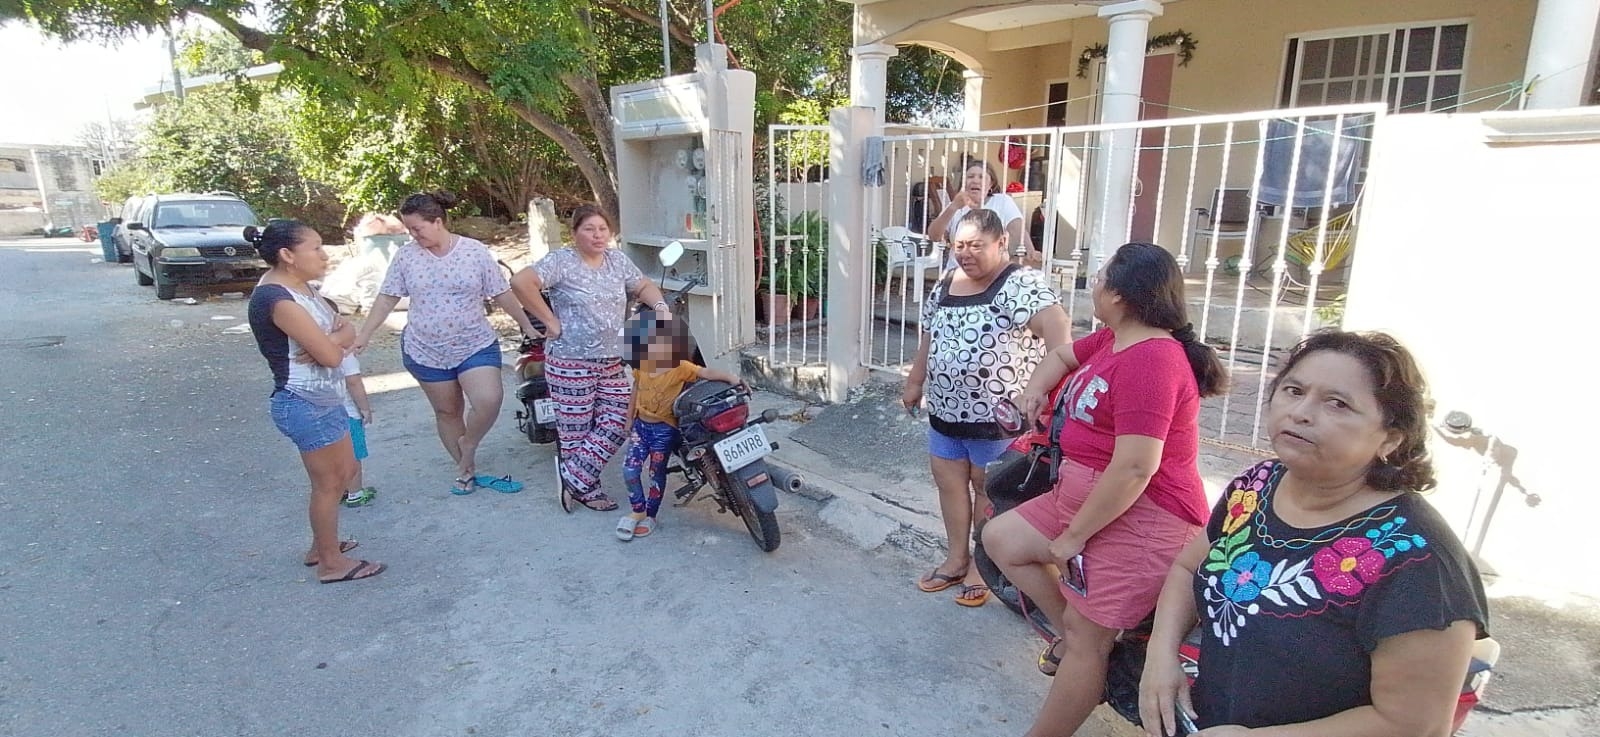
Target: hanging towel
{"x":1318,"y":160}
{"x":872,"y":163}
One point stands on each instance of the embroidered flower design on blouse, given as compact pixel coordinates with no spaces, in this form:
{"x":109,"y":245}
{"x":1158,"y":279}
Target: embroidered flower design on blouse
{"x":1348,"y":565}
{"x":1242,"y":504}
{"x":1243,"y":580}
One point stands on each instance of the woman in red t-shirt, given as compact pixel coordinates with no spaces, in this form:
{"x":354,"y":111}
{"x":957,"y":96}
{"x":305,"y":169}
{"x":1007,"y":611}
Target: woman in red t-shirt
{"x":1094,"y":551}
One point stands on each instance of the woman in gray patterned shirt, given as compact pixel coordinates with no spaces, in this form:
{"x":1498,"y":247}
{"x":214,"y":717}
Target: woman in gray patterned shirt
{"x":589,"y":286}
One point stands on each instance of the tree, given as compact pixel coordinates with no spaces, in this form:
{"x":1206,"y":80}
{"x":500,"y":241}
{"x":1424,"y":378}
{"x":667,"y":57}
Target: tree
{"x":547,"y":62}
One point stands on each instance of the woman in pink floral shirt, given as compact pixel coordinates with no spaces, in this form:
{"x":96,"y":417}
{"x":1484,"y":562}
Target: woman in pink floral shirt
{"x":448,"y":344}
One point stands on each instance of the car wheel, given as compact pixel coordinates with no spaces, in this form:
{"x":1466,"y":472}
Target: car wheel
{"x":164,"y":290}
{"x":139,"y":276}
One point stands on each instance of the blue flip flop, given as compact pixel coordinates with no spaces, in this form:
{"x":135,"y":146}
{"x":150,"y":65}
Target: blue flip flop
{"x":463,"y":486}
{"x":502,"y":484}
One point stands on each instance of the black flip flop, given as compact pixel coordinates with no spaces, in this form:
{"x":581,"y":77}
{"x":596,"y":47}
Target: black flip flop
{"x":364,"y":565}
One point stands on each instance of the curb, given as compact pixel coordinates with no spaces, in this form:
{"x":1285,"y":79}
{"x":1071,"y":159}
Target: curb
{"x":866,"y":519}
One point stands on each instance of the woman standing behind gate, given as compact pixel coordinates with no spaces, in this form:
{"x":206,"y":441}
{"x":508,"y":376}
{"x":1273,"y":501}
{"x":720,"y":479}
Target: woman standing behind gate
{"x":589,"y":287}
{"x":986,"y":325}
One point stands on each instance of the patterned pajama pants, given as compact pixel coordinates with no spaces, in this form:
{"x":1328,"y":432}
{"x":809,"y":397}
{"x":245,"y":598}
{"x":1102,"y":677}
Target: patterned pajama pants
{"x":650,"y":445}
{"x":592,"y":412}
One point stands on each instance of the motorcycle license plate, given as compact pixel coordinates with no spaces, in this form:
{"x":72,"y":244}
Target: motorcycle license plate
{"x":544,"y":411}
{"x":746,"y":447}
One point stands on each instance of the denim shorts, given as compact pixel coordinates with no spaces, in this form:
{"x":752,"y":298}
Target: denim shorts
{"x":489,"y":356}
{"x":979,"y":453}
{"x":358,"y":437}
{"x":310,"y":426}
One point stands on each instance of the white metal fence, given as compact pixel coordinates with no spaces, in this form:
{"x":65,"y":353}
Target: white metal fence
{"x":795,"y":233}
{"x":1260,"y":210}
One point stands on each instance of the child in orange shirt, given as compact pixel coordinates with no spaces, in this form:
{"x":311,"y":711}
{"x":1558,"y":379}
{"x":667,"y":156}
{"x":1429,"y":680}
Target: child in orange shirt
{"x":662,"y":349}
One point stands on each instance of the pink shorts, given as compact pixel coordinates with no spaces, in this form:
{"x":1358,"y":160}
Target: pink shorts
{"x":1125,"y":564}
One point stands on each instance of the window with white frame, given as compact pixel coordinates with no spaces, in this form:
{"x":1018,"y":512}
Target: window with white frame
{"x":1415,"y":68}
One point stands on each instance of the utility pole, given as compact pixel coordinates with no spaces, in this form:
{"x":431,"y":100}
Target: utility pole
{"x":172,"y":54}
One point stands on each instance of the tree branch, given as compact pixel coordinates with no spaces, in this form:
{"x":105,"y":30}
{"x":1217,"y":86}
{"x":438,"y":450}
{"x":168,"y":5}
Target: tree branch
{"x":600,"y":182}
{"x":674,"y":30}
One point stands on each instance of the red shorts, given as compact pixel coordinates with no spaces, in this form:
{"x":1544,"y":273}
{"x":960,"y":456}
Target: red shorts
{"x":1126,"y":563}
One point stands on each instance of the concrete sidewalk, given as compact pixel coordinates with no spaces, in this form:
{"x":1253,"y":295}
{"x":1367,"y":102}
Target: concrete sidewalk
{"x":865,"y":462}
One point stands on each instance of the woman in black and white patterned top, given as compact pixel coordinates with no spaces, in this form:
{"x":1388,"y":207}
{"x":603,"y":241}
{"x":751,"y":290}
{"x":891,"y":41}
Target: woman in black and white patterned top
{"x":985,"y":327}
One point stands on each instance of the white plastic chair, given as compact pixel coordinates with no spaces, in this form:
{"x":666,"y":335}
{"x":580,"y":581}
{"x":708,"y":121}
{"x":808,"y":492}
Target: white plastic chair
{"x":902,"y":247}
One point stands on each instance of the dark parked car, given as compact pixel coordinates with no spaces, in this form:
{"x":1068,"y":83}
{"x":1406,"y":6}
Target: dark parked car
{"x":192,"y":240}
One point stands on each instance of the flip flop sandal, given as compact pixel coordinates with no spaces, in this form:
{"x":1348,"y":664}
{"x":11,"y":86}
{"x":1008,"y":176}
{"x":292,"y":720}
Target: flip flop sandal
{"x":645,"y":527}
{"x":935,"y":582}
{"x":563,"y":491}
{"x":595,"y":500}
{"x":363,"y":569}
{"x":463,"y":486}
{"x":970,"y":595}
{"x":502,"y":484}
{"x":1049,"y":661}
{"x":625,"y":527}
{"x":345,"y":546}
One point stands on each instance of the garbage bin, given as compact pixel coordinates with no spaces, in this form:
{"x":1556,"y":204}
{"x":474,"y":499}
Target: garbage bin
{"x":108,"y":241}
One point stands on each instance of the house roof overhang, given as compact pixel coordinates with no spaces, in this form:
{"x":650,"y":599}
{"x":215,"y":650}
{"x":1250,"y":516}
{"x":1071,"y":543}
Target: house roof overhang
{"x":1006,"y":24}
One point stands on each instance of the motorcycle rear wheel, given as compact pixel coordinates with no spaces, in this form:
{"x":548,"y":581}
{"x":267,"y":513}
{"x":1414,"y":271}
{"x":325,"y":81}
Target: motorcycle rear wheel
{"x":763,"y":526}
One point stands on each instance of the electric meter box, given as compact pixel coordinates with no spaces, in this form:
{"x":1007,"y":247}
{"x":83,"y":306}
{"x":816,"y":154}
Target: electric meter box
{"x":684,"y":174}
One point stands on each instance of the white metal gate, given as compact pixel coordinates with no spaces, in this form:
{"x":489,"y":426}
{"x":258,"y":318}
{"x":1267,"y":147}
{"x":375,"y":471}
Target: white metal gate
{"x":1260,"y":209}
{"x":795,"y":234}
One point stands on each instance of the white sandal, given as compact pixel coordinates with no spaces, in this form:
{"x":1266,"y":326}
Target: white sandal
{"x":625,"y":527}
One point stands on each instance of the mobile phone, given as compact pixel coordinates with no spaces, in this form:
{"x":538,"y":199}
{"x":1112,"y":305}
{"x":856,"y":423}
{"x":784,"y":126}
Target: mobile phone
{"x":1185,"y":722}
{"x":1073,"y":576}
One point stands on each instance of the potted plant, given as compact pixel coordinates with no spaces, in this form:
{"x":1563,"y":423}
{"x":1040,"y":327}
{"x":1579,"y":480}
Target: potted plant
{"x":803,"y":264}
{"x":772,"y":303}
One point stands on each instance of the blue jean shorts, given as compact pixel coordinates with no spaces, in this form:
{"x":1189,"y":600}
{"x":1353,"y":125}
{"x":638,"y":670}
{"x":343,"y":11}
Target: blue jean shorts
{"x":489,"y":356}
{"x":979,"y":453}
{"x":310,"y":426}
{"x":358,"y":437}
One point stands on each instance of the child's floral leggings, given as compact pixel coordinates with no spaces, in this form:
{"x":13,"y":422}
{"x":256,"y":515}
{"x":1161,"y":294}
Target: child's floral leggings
{"x":650,"y":443}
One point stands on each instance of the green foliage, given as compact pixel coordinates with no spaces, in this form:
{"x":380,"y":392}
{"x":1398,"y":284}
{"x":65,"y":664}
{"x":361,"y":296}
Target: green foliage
{"x":219,"y":139}
{"x":925,"y":87}
{"x":213,"y":52}
{"x":801,"y":264}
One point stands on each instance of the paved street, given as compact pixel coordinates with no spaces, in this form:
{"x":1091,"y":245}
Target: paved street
{"x":150,"y":577}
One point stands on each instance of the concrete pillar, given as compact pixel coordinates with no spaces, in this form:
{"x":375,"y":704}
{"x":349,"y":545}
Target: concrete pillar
{"x":1113,"y":183}
{"x":1561,"y":53}
{"x":972,"y":100}
{"x":869,"y":77}
{"x":849,"y":251}
{"x":544,"y":228}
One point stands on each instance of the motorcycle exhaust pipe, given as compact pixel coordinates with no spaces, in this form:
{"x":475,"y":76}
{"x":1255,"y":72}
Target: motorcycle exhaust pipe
{"x":784,"y":478}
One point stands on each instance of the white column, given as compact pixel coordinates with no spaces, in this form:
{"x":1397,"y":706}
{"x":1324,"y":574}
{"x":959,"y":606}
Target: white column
{"x":1112,"y":187}
{"x":849,"y":253}
{"x":869,"y":76}
{"x":1561,"y":52}
{"x":972,"y":98}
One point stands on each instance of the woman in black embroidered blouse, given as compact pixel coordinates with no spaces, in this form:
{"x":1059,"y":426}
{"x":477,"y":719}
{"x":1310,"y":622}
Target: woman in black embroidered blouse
{"x":1333,"y":599}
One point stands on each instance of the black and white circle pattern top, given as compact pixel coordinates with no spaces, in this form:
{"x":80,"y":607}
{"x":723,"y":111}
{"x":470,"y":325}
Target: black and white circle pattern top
{"x":980,"y":350}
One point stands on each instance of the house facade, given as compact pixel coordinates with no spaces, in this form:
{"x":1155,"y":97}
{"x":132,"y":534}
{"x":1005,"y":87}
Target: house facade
{"x":47,"y":186}
{"x":1425,"y":125}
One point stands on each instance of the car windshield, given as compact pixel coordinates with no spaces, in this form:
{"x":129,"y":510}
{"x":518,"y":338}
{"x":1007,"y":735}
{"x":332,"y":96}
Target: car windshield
{"x":205,"y":214}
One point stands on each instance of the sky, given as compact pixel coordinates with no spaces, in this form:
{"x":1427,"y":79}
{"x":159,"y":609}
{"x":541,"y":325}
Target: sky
{"x":51,"y":91}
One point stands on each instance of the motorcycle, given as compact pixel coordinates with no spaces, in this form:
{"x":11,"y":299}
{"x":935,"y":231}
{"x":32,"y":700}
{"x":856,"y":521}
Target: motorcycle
{"x":1028,"y":469}
{"x":722,"y":448}
{"x":537,"y":418}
